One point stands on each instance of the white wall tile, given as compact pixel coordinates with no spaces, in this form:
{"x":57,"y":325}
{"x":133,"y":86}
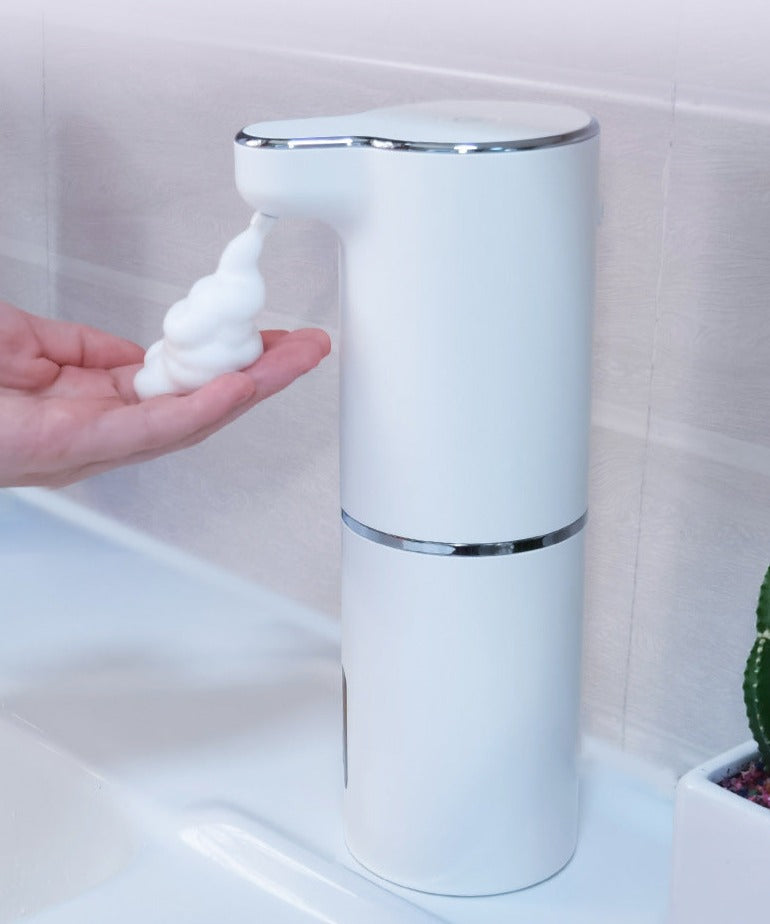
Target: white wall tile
{"x":617,"y":462}
{"x":635,"y":144}
{"x":707,"y":53}
{"x":634,"y":150}
{"x":630,"y":48}
{"x":22,"y":147}
{"x":722,"y":57}
{"x":705,"y":534}
{"x":713,"y":342}
{"x":24,"y":284}
{"x":704,"y":548}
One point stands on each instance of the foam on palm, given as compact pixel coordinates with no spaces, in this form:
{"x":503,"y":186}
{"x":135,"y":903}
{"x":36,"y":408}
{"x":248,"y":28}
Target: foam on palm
{"x":213,"y":329}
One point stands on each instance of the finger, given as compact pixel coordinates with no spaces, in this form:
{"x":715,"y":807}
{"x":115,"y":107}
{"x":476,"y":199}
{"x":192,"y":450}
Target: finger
{"x":143,"y":431}
{"x":120,"y":440}
{"x":159,"y":424}
{"x":69,"y":344}
{"x":271,"y":337}
{"x":60,"y":479}
{"x":123,"y":380}
{"x":286,"y":359}
{"x":80,"y":384}
{"x":297,"y":359}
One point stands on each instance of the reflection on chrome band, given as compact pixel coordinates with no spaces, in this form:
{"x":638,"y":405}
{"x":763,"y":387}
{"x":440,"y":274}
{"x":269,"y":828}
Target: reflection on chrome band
{"x":425,"y":147}
{"x":470,"y":550}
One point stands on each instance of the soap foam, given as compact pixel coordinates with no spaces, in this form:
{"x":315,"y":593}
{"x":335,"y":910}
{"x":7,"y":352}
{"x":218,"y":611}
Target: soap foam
{"x":213,"y":330}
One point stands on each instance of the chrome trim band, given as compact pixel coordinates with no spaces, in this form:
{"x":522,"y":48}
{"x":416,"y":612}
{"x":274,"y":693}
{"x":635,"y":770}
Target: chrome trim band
{"x":424,"y":147}
{"x":469,"y":550}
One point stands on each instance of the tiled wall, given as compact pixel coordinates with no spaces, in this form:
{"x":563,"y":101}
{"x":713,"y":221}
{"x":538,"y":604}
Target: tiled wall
{"x":116,"y":192}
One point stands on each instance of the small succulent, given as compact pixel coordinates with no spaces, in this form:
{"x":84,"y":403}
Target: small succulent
{"x":756,"y":681}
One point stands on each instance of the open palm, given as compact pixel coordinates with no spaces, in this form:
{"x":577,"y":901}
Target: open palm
{"x":68,"y":408}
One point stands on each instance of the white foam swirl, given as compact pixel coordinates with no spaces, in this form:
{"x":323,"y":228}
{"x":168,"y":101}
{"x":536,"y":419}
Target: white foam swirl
{"x":213,"y":329}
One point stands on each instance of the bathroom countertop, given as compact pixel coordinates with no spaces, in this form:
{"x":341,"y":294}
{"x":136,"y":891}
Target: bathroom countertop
{"x":209,"y":709}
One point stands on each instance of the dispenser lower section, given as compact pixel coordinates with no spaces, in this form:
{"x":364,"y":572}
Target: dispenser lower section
{"x":462,"y":683}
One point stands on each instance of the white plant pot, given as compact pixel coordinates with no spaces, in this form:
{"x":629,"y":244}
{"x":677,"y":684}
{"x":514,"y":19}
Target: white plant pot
{"x":721,"y":847}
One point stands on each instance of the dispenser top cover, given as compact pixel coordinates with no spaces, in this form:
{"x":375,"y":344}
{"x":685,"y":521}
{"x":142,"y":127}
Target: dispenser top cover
{"x":458,"y":126}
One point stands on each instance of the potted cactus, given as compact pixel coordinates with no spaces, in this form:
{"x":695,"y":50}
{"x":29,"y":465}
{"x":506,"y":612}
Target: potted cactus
{"x":722,"y":812}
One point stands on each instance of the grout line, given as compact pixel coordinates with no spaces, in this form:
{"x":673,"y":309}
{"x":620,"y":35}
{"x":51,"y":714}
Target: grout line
{"x":648,"y":422}
{"x":24,"y":251}
{"x":710,"y":445}
{"x":569,"y":82}
{"x":130,"y":284}
{"x":739,"y":111}
{"x":661,"y":748}
{"x":94,"y":273}
{"x":570,"y":87}
{"x":666,"y":192}
{"x":740,"y":108}
{"x":163,"y":294}
{"x":618,"y":418}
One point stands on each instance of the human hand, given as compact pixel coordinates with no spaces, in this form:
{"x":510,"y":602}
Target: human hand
{"x":68,"y":408}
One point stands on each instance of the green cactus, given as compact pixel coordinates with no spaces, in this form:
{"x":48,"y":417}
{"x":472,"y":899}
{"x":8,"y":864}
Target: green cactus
{"x":756,"y":681}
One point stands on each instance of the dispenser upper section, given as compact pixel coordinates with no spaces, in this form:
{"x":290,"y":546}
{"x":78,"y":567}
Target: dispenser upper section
{"x":466,"y":286}
{"x":459,"y":126}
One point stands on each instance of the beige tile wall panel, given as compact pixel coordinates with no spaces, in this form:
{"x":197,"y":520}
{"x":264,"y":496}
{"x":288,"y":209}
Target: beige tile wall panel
{"x":704,"y":548}
{"x":23,"y":159}
{"x":607,"y":46}
{"x":713,"y":343}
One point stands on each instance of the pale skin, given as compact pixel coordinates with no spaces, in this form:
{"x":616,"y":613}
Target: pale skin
{"x":68,"y":408}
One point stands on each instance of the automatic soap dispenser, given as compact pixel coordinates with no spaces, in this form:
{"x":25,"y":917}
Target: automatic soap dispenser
{"x":466,"y":284}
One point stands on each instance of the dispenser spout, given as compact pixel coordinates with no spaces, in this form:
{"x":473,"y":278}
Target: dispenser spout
{"x":298,"y":177}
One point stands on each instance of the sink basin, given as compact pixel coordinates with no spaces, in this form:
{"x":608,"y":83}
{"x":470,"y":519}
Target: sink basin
{"x":212,"y":711}
{"x":62,"y":829}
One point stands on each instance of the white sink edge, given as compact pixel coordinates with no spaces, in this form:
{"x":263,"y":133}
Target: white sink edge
{"x":64,"y":828}
{"x":276,"y":863}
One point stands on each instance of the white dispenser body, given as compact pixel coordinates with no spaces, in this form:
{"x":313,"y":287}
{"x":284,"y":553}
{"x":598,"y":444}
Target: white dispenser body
{"x":462,"y":681}
{"x":466,"y":291}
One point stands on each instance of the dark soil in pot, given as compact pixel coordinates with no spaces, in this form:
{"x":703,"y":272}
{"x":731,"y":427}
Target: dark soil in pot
{"x":753,"y":783}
